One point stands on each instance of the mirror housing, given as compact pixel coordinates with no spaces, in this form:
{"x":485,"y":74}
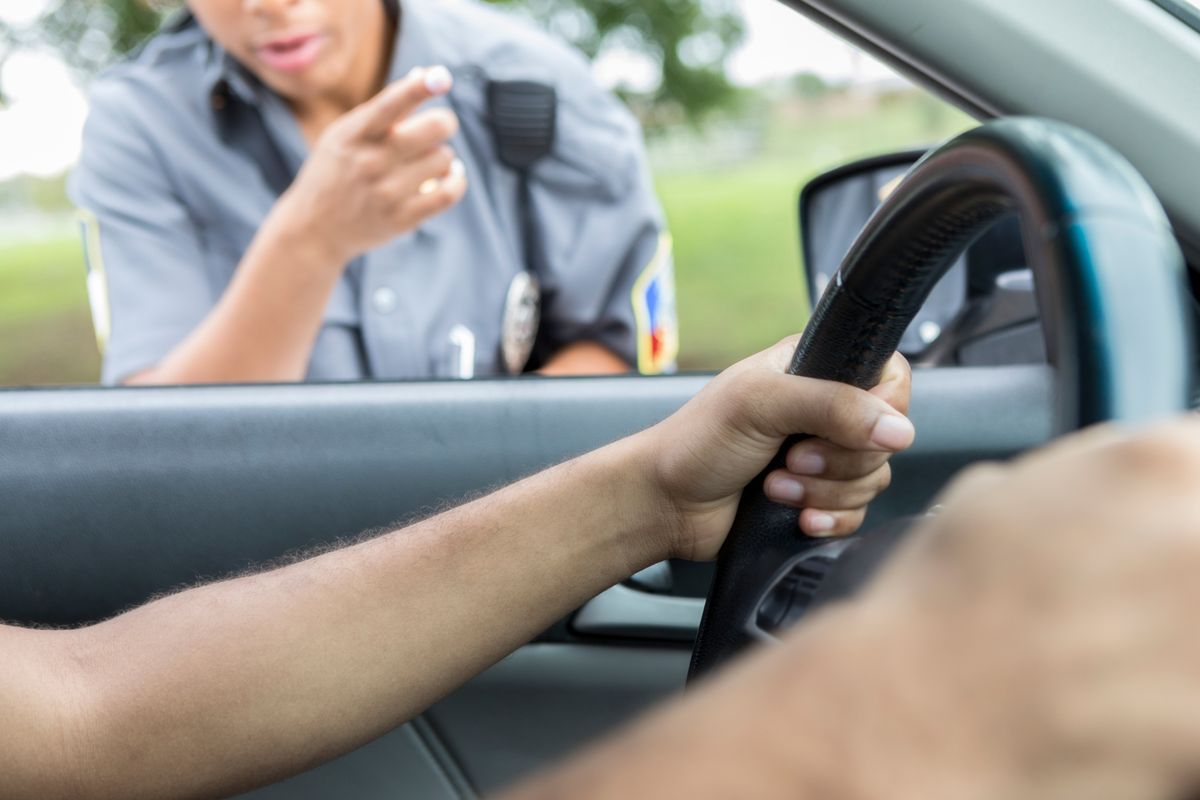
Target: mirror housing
{"x":983,"y":312}
{"x":835,"y":206}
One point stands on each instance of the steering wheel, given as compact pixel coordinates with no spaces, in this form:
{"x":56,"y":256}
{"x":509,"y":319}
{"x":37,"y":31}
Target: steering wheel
{"x":1111,"y":291}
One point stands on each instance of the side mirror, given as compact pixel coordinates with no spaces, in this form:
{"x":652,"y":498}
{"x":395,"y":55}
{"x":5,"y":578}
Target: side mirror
{"x":983,"y":312}
{"x":836,"y":205}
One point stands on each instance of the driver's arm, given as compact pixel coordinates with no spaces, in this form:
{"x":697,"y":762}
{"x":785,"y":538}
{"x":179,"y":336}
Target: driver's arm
{"x":237,"y":683}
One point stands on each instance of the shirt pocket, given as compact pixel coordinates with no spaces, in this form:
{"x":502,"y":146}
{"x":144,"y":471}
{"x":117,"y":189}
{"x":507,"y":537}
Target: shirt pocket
{"x":338,"y":353}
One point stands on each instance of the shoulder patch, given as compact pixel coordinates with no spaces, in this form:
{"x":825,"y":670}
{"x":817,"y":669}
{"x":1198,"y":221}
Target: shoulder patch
{"x":654,"y":311}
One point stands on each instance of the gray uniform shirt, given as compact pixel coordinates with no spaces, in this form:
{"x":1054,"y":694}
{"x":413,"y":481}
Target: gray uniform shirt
{"x":169,"y":210}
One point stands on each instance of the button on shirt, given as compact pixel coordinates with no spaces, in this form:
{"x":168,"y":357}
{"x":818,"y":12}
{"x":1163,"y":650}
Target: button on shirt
{"x":170,"y":208}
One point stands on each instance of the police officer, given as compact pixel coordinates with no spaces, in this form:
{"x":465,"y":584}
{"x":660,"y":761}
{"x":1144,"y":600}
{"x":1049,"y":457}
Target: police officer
{"x":281,"y":189}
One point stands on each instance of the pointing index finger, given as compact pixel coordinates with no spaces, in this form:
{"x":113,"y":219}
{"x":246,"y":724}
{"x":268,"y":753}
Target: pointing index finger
{"x":401,"y":98}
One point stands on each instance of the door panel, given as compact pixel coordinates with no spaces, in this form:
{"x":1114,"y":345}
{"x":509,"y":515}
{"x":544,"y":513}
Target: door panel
{"x":546,"y":700}
{"x":406,"y":763}
{"x":111,"y":496}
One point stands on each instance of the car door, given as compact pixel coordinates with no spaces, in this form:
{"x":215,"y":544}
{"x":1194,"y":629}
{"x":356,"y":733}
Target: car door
{"x":115,"y":495}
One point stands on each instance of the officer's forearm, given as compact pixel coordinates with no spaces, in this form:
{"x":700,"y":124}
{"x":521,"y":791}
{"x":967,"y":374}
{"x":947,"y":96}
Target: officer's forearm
{"x":239,"y":682}
{"x":264,"y":325}
{"x":585,"y":358}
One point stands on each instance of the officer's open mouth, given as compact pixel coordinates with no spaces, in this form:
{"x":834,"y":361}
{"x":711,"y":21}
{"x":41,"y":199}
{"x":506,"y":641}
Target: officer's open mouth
{"x":291,"y":53}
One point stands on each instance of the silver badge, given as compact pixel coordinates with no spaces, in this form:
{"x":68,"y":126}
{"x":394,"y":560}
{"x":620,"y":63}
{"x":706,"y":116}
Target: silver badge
{"x":518,"y":327}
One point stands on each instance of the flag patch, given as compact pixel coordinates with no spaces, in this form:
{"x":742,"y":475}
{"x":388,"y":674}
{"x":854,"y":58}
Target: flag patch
{"x":654,"y":311}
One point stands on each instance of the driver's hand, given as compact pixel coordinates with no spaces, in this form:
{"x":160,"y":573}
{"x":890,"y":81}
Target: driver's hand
{"x":707,"y":452}
{"x":1038,"y":638}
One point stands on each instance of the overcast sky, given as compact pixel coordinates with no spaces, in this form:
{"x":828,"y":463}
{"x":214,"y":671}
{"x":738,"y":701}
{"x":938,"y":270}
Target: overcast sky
{"x":39,"y":132}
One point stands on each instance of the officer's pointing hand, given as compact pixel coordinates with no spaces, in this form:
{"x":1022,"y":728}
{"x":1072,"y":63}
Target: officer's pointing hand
{"x":378,"y":171}
{"x":706,"y":453}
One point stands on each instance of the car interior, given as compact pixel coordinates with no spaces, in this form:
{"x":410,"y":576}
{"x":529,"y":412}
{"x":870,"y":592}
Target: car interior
{"x":115,"y":495}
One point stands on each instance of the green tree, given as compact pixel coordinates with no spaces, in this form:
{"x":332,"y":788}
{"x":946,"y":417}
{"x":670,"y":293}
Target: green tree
{"x":810,"y":86}
{"x":86,"y":33}
{"x":689,"y":40}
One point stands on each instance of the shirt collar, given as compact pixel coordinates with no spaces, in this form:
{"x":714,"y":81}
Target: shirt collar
{"x":225,"y":78}
{"x":221,"y":75}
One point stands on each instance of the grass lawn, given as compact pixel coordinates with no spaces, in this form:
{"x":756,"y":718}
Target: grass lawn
{"x":737,"y":261}
{"x":737,"y":254}
{"x":737,"y":246}
{"x":45,"y":325}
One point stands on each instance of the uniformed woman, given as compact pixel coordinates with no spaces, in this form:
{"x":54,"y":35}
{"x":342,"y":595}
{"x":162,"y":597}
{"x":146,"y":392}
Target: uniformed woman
{"x":348,"y":189}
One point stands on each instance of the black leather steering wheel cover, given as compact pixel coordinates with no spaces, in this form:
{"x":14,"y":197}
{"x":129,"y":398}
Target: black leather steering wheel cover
{"x":1111,"y":289}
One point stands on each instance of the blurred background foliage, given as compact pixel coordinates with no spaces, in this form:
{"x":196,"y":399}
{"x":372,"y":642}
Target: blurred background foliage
{"x":87,"y":34}
{"x":689,"y":40}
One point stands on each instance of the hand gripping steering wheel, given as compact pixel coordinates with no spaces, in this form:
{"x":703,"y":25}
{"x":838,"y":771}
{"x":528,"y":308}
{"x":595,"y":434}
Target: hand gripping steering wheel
{"x":1111,"y":291}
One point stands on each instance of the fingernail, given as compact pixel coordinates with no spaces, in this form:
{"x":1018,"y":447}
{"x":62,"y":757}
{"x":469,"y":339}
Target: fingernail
{"x":893,"y":432}
{"x":819,"y":524}
{"x":807,"y":463}
{"x":457,"y":168}
{"x":438,"y":79}
{"x":784,"y":489}
{"x":412,"y":73}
